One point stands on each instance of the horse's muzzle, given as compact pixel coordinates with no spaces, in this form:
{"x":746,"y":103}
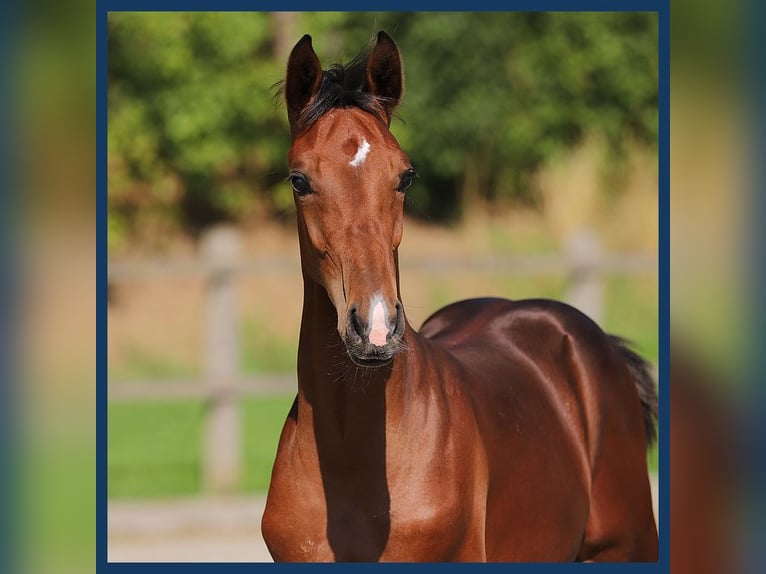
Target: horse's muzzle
{"x":373,"y":342}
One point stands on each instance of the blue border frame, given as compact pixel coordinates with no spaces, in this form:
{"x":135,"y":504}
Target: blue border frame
{"x":754,"y":427}
{"x":103,"y":7}
{"x":11,"y":283}
{"x":664,"y":282}
{"x":102,"y":310}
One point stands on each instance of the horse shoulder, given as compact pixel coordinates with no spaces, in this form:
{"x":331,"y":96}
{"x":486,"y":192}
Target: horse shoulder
{"x":438,"y":476}
{"x":295,"y":510}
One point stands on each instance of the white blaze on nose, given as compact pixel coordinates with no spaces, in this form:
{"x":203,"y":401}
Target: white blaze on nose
{"x":361,"y":154}
{"x":378,"y":329}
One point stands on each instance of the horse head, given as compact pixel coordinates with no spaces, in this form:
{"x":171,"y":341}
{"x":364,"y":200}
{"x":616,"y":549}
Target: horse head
{"x":349,"y":177}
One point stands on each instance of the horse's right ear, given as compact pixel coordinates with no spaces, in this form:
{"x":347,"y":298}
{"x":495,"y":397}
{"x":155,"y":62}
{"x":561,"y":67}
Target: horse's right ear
{"x":304,"y":76}
{"x":384,"y":76}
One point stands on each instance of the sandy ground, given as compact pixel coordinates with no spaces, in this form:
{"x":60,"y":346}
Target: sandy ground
{"x":187,"y":530}
{"x":195,"y":530}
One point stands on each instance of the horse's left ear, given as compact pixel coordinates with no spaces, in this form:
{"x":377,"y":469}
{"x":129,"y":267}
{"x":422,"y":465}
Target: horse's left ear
{"x":304,"y":76}
{"x":384,"y":76}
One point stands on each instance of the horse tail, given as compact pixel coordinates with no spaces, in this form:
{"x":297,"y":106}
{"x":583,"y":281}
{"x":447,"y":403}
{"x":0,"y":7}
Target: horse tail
{"x":641,"y":373}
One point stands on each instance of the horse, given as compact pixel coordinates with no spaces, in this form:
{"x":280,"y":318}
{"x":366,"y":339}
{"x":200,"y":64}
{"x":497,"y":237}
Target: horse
{"x":501,"y":431}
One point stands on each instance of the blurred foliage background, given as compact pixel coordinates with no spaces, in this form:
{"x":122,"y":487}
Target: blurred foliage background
{"x":197,"y":136}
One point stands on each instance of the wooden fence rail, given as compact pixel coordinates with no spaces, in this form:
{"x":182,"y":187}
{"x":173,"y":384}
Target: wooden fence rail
{"x":221,"y":386}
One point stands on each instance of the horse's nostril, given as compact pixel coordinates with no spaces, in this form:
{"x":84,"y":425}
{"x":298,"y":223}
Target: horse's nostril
{"x":355,"y":322}
{"x":399,"y":325}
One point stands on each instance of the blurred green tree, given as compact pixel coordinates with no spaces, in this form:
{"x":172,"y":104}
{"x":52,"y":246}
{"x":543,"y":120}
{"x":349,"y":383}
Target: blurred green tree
{"x":195,"y":135}
{"x":194,"y":132}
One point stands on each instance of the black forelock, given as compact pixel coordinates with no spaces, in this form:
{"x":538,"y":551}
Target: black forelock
{"x":342,"y":87}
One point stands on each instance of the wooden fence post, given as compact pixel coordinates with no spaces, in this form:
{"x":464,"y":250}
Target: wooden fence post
{"x":585,"y":288}
{"x":220,"y":251}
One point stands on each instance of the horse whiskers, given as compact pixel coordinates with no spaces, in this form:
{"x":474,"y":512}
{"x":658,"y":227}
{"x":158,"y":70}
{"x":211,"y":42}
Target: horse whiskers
{"x":401,"y":346}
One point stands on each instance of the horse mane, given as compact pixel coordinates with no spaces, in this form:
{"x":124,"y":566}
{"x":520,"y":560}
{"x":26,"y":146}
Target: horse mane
{"x":342,"y":86}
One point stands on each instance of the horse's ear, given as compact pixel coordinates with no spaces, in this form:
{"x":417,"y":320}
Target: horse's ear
{"x":384,"y":76}
{"x":304,"y":76}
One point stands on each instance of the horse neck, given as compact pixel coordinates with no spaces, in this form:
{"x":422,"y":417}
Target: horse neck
{"x":347,"y":405}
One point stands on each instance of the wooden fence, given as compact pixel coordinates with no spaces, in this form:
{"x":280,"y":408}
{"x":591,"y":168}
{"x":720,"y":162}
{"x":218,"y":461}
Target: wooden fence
{"x":222,"y":385}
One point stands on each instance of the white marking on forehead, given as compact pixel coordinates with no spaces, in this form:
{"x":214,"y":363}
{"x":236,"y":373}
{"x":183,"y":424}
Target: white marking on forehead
{"x":361,"y":154}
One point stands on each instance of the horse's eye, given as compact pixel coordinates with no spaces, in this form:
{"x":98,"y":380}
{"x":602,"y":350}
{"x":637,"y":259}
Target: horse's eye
{"x":300,"y":184}
{"x":406,"y":180}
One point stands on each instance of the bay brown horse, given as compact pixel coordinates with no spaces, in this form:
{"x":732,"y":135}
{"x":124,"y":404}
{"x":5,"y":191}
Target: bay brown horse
{"x":502,"y":431}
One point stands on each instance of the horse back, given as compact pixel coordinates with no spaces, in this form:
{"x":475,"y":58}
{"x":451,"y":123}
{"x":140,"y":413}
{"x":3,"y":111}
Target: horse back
{"x":517,"y":353}
{"x":553,"y":339}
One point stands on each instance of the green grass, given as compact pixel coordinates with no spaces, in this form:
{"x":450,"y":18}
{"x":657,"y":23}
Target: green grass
{"x":264,"y":418}
{"x":155,"y":449}
{"x":652,"y":458}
